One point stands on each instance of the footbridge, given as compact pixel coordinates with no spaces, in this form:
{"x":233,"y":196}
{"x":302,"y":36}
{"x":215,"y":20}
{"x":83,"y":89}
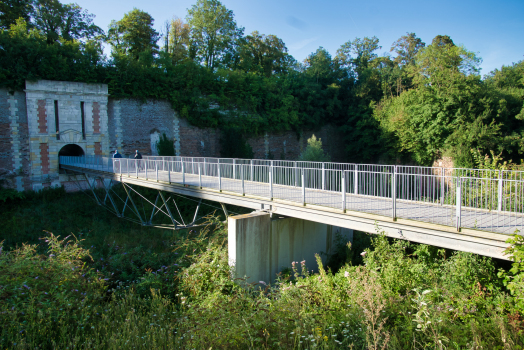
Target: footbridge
{"x":462,"y":209}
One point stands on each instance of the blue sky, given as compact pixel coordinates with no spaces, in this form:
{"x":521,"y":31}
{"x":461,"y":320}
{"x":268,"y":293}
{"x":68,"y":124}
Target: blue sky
{"x":494,"y":30}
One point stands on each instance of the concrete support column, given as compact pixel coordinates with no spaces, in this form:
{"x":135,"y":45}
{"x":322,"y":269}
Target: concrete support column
{"x":259,"y":247}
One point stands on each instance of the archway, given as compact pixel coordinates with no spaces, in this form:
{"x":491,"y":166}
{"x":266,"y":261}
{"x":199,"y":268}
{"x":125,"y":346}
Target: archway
{"x":71,"y":150}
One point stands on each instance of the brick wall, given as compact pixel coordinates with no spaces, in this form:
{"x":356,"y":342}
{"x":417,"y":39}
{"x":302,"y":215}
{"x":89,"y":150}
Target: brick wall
{"x":98,"y":148}
{"x":139,"y":120}
{"x":42,"y":117}
{"x":196,"y":142}
{"x":44,"y":157}
{"x":96,"y":118}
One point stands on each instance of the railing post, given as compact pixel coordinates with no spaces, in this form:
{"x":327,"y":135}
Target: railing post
{"x":199,"y":176}
{"x":323,"y":176}
{"x":394,"y":193}
{"x":127,"y":165}
{"x":356,"y":179}
{"x":442,"y":186}
{"x":252,"y":169}
{"x":219,"y":177}
{"x":120,"y":162}
{"x":234,"y":169}
{"x":163,"y":164}
{"x":296,"y":173}
{"x":270,"y":183}
{"x":136,"y":167}
{"x":156,"y":170}
{"x":499,"y":206}
{"x":169,"y":173}
{"x":458,"y":214}
{"x":242,"y":176}
{"x":205,"y":166}
{"x":183,"y":172}
{"x":343,"y":190}
{"x":303,"y":187}
{"x":145,"y":167}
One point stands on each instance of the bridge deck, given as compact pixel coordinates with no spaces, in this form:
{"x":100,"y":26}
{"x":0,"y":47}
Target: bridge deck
{"x":479,"y":219}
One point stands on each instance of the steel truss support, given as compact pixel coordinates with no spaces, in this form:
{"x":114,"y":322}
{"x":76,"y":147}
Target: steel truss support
{"x":133,"y":199}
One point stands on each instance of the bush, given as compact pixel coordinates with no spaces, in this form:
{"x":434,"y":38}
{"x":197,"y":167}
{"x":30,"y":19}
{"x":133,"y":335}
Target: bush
{"x":314,"y":151}
{"x":165,"y":146}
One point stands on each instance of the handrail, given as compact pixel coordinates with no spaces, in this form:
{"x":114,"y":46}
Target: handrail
{"x":397,"y":191}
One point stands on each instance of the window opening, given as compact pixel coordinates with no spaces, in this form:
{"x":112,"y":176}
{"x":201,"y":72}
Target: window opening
{"x":57,"y":121}
{"x":83,"y":120}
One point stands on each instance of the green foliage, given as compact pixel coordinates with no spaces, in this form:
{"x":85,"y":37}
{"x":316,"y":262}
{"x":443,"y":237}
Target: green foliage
{"x":514,"y":280}
{"x":424,"y":103}
{"x":68,"y":22}
{"x":133,"y":35}
{"x":41,"y":292}
{"x":27,"y":56}
{"x":165,"y":146}
{"x":174,"y":290}
{"x":12,"y":10}
{"x":213,"y":32}
{"x":314,"y":151}
{"x":9,"y":194}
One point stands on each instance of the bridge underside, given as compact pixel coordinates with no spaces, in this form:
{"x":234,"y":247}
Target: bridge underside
{"x":469,"y":240}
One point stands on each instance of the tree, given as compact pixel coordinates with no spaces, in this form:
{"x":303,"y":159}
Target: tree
{"x":363,"y":49}
{"x":68,"y":22}
{"x":407,"y":48}
{"x":134,"y":34}
{"x":443,"y":62}
{"x":318,"y":64}
{"x":266,"y":54}
{"x":11,"y":10}
{"x":214,"y":32}
{"x":179,"y":40}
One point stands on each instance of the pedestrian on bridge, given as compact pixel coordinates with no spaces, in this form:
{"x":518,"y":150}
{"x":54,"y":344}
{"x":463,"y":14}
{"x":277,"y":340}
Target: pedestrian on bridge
{"x":117,"y":155}
{"x":138,"y":164}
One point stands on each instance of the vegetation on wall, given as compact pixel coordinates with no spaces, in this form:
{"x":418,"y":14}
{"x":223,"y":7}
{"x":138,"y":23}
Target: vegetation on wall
{"x":424,"y":102}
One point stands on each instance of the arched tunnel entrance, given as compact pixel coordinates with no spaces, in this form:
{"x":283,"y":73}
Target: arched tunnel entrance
{"x":70,"y":150}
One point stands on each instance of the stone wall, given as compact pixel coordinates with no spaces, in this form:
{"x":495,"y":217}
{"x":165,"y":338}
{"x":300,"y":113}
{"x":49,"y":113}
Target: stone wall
{"x":289,"y":145}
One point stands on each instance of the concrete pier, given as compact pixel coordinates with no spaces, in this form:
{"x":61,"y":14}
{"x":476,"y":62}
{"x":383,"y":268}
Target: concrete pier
{"x":260,"y":246}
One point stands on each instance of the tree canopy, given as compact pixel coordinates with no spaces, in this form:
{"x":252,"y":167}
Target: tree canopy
{"x":415,"y":105}
{"x":214,"y":32}
{"x":133,"y":34}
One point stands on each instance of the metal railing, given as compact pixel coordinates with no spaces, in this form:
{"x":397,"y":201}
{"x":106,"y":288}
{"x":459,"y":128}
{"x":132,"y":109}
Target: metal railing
{"x":488,"y":200}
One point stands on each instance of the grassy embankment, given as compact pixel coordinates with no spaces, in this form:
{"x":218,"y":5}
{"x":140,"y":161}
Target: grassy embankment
{"x":121,"y":285}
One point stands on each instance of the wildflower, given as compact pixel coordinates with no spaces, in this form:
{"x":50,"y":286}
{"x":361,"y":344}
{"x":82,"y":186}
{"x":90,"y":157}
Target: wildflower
{"x":363,"y":253}
{"x":262,"y":282}
{"x":346,"y":274}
